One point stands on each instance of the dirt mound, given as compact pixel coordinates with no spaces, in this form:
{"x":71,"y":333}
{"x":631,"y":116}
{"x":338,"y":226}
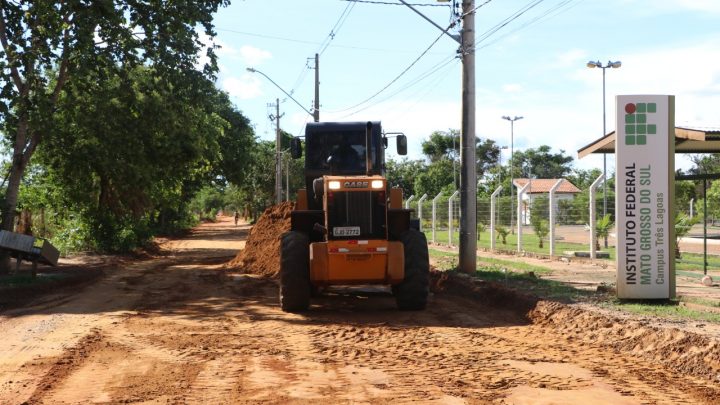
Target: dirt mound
{"x":261,"y":254}
{"x":683,"y":351}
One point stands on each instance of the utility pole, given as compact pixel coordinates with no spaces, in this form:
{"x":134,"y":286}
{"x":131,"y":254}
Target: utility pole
{"x":278,"y":154}
{"x":468,"y":174}
{"x":316,"y":109}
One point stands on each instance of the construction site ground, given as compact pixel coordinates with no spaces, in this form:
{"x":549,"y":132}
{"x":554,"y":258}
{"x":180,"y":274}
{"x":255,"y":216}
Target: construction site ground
{"x":181,"y":326}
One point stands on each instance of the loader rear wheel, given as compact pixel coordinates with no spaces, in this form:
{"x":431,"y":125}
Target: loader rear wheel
{"x":294,"y":272}
{"x":412,"y":293}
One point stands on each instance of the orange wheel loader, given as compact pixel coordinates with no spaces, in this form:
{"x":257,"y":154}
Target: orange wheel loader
{"x":349,"y":226}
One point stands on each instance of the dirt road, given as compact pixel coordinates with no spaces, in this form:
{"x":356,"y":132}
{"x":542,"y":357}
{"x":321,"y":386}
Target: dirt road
{"x":179,"y":329}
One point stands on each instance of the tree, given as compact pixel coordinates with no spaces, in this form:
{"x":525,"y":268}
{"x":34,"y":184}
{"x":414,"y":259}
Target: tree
{"x":541,"y":163}
{"x":538,"y":211}
{"x":683,"y":225}
{"x":438,"y":177}
{"x":46,"y":45}
{"x":602,"y":229}
{"x":403,"y":173}
{"x":446,"y":145}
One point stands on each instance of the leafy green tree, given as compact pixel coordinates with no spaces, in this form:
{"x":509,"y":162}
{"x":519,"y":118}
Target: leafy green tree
{"x":542,"y":163}
{"x":403,"y":173}
{"x":446,"y":145}
{"x":438,"y":177}
{"x":48,"y":45}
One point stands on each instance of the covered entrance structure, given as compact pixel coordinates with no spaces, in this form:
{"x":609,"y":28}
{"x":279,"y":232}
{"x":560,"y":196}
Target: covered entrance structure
{"x":687,"y":140}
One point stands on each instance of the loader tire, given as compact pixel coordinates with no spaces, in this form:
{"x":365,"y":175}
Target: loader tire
{"x":412,"y":293}
{"x":294,"y":272}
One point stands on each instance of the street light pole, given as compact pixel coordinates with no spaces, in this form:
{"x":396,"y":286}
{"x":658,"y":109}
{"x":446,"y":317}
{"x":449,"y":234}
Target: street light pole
{"x":512,"y":136}
{"x":613,"y":65}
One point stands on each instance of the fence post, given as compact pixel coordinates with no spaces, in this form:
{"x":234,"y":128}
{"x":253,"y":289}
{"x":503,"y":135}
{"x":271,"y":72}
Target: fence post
{"x":493,"y":197}
{"x":520,"y":221}
{"x":692,"y":208}
{"x":420,"y":203}
{"x":407,"y":202}
{"x":593,"y":237}
{"x":450,"y":218}
{"x":552,"y":215}
{"x":434,"y":206}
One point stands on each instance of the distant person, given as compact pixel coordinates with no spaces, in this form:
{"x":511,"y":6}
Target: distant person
{"x":237,"y":217}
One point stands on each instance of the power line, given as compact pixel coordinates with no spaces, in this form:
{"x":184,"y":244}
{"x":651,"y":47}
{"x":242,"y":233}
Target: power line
{"x":396,"y":77}
{"x":386,"y":3}
{"x":555,"y":10}
{"x":360,"y":48}
{"x":341,"y":20}
{"x":431,"y":72}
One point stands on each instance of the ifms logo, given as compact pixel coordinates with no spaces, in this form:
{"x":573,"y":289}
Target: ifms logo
{"x":637,"y":128}
{"x":356,"y":184}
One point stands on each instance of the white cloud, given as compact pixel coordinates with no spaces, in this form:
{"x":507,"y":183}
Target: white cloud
{"x":573,"y":57}
{"x":253,"y":56}
{"x":244,"y":87}
{"x":513,"y":88}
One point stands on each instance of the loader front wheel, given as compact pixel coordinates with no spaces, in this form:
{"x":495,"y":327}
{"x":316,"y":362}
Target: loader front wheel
{"x":294,"y":272}
{"x":412,"y":293}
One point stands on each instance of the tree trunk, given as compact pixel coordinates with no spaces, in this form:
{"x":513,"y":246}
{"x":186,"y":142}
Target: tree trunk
{"x":11,"y":199}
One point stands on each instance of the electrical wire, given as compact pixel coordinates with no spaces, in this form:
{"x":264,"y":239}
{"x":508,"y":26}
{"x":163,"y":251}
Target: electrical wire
{"x":430,"y":72}
{"x":557,"y":9}
{"x":340,"y":22}
{"x":387,"y":3}
{"x":359,"y":48}
{"x":438,"y":74}
{"x":396,"y":77}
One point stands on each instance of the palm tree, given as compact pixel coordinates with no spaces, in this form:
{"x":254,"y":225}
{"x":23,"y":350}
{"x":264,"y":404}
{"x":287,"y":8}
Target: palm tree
{"x":541,"y":228}
{"x":602,"y":229}
{"x":503,"y":233}
{"x":683,"y":224}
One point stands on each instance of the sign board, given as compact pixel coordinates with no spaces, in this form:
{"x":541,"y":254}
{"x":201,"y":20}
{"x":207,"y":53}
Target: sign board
{"x":644,"y":196}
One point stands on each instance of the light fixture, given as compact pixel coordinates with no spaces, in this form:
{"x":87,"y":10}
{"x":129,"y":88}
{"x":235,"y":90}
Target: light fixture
{"x":334,"y":185}
{"x":377,"y":184}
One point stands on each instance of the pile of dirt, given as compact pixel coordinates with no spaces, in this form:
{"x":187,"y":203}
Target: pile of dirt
{"x":261,"y":254}
{"x":683,"y":351}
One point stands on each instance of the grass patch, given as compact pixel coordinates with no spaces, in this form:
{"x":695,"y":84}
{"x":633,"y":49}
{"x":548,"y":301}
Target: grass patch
{"x":665,"y":309}
{"x":520,"y":266}
{"x":530,"y":243}
{"x":528,"y":283}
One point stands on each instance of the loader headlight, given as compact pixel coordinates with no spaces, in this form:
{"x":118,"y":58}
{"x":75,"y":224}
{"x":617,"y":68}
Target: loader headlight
{"x":377,"y":184}
{"x":334,"y":185}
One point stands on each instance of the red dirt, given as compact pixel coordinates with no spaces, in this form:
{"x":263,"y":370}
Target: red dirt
{"x":181,"y":329}
{"x":262,"y":250}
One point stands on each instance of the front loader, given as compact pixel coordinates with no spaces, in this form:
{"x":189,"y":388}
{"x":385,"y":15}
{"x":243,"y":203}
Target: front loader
{"x":349,"y":226}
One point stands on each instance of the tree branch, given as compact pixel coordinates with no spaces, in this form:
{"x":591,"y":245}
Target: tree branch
{"x":63,"y":71}
{"x":3,"y":39}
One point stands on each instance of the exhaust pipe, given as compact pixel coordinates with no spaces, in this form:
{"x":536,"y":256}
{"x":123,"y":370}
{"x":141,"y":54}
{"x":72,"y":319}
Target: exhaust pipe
{"x":368,"y":141}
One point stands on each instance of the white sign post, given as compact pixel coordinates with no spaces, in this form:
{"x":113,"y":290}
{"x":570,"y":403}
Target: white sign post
{"x":644,"y":196}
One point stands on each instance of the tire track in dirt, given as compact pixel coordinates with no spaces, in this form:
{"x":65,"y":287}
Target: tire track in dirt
{"x":181,"y":329}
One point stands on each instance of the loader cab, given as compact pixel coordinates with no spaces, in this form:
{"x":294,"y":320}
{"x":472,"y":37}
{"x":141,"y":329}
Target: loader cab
{"x":342,"y":149}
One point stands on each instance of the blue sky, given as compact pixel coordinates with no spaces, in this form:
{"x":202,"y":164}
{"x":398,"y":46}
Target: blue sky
{"x":534,"y":66}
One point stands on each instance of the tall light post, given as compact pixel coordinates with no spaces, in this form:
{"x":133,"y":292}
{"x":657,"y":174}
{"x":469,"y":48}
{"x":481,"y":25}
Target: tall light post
{"x":512,"y":136}
{"x":614,"y":65}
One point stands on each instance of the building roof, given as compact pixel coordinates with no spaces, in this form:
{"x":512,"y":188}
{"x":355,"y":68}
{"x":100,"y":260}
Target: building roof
{"x":687,"y":140}
{"x":544,"y":185}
